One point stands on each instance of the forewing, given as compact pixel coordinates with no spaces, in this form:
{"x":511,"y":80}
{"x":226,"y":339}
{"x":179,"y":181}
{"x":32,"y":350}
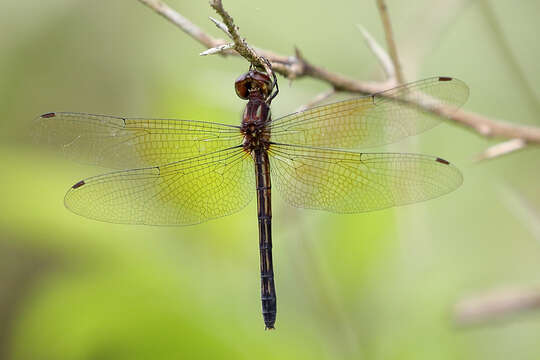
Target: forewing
{"x":123,"y":143}
{"x":352,"y":182}
{"x":181,"y":193}
{"x":373,"y":120}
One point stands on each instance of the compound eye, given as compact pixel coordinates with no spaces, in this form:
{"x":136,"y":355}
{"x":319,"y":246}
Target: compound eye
{"x":242,"y":85}
{"x":242,"y":88}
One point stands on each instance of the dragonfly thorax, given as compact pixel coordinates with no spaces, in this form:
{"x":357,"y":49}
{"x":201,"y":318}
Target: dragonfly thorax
{"x":256,"y":136}
{"x":255,"y":125}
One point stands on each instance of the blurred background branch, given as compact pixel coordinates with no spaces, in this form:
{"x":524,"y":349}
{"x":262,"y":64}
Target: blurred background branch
{"x":387,"y":25}
{"x":298,"y":66}
{"x":380,"y":54}
{"x":501,"y":304}
{"x":496,"y":305}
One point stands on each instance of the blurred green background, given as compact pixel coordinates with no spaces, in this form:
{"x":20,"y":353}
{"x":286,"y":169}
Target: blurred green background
{"x":380,"y":285}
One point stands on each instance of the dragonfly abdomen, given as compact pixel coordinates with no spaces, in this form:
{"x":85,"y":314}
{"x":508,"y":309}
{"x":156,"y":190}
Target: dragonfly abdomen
{"x":264,"y":214}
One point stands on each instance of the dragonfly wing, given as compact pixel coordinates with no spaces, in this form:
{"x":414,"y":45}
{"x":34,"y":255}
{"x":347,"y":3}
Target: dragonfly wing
{"x":182,"y":193}
{"x":373,"y":120}
{"x":352,"y":182}
{"x":123,"y":143}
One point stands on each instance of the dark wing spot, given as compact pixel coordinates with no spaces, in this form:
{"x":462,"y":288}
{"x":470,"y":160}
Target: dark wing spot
{"x":445,"y":78}
{"x":48,"y":115}
{"x":78,"y":185}
{"x":442,"y":161}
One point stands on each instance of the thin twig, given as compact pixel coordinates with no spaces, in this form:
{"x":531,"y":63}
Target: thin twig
{"x":383,"y":11}
{"x":298,"y":66}
{"x":217,"y":49}
{"x":380,"y":54}
{"x":221,"y":26}
{"x":501,"y":149}
{"x":240,"y":45}
{"x":496,"y":305}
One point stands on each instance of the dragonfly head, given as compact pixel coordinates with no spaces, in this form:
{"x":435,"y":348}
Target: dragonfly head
{"x":253,"y":84}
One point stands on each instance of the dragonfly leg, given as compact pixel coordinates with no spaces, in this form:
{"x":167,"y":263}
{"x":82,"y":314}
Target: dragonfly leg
{"x":275,"y":86}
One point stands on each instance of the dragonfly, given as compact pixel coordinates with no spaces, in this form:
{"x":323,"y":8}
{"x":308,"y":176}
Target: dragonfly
{"x":183,"y":172}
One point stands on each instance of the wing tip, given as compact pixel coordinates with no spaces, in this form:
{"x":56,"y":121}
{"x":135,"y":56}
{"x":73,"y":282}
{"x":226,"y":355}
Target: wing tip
{"x":78,"y":185}
{"x":445,"y":78}
{"x":442,"y":161}
{"x":48,"y":115}
{"x":458,"y":179}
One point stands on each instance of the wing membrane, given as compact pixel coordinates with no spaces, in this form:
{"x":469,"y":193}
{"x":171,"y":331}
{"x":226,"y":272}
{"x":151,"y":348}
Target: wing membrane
{"x":123,"y":143}
{"x":373,"y":120}
{"x":182,"y":193}
{"x":352,"y":182}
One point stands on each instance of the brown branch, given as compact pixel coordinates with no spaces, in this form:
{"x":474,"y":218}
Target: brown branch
{"x":490,"y":128}
{"x":385,"y":18}
{"x":298,"y":66}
